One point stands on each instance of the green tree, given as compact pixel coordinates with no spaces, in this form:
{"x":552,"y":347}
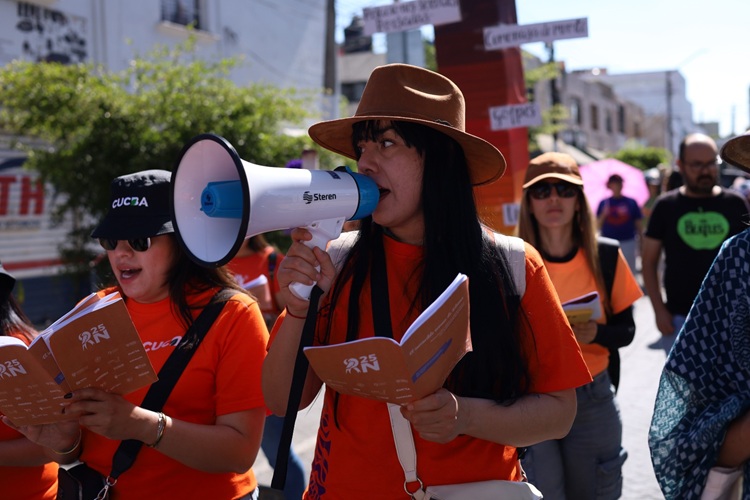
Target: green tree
{"x":642,"y":157}
{"x":97,"y":125}
{"x":553,"y":119}
{"x":430,"y":55}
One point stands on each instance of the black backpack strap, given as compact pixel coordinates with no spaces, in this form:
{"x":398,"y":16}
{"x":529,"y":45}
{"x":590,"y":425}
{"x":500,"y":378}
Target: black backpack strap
{"x":608,"y":257}
{"x":160,"y":390}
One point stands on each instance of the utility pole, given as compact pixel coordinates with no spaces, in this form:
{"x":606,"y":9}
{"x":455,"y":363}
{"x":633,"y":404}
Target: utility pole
{"x":554,"y":94}
{"x":329,"y":75}
{"x":670,"y":131}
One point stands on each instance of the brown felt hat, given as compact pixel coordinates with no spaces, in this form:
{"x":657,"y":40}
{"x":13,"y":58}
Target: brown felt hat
{"x":401,"y":92}
{"x":553,"y":166}
{"x":737,"y":151}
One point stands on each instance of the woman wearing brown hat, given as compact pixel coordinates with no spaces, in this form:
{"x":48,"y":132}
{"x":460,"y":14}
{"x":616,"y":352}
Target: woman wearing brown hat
{"x":556,"y":219}
{"x":700,"y":431}
{"x":516,"y":387}
{"x":26,"y":472}
{"x":204,"y":439}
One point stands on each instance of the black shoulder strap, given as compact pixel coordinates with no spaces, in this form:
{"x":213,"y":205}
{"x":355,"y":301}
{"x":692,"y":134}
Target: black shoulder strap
{"x":271,"y":266}
{"x":168,"y":375}
{"x":608,"y":256}
{"x":299,"y":374}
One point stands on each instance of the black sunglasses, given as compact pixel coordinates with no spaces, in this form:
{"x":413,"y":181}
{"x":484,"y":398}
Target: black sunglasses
{"x":137,"y":244}
{"x":543,"y":190}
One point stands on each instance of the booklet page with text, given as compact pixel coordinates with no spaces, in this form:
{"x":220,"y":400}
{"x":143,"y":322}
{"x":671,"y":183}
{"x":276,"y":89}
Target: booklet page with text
{"x":93,"y":345}
{"x":398,"y":372}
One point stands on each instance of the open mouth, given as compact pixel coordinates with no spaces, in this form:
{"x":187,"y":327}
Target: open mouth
{"x":129,"y":273}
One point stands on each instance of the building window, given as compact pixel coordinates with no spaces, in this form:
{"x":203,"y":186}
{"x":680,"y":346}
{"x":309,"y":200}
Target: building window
{"x":608,"y":121}
{"x":184,"y":12}
{"x":575,"y":111}
{"x":353,"y":90}
{"x":594,"y":117}
{"x":621,"y":119}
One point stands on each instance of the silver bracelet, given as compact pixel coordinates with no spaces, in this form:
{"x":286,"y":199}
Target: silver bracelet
{"x":160,"y":426}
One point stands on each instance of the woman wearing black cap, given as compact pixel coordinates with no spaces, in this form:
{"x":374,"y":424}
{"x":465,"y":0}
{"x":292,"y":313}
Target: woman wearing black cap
{"x":514,"y":389}
{"x":26,"y":472}
{"x":204,"y":440}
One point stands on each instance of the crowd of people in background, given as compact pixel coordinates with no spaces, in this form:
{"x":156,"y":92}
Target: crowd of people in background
{"x":536,"y":399}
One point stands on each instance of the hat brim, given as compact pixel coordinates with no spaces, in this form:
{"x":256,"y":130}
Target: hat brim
{"x":737,"y":152}
{"x":554,"y":175}
{"x":128,"y":228}
{"x":486,"y":163}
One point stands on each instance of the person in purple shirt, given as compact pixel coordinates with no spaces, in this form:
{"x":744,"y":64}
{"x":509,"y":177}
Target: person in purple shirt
{"x":620,"y":218}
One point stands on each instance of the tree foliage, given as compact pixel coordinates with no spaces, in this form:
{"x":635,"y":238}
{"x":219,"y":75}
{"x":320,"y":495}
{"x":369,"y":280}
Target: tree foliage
{"x":96,"y":125}
{"x":642,"y":157}
{"x":554,"y":119}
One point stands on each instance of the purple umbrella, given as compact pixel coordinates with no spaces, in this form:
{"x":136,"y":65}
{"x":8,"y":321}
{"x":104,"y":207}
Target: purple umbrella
{"x":596,"y":174}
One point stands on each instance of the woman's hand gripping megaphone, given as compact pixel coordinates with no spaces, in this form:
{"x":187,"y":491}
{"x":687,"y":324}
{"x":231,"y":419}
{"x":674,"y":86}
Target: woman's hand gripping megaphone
{"x":307,"y":264}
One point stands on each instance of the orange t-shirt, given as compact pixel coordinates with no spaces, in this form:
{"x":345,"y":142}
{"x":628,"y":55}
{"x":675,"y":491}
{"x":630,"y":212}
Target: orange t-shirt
{"x":222,"y":377}
{"x":26,"y":483}
{"x":249,"y":267}
{"x":574,"y":278}
{"x":357,"y":458}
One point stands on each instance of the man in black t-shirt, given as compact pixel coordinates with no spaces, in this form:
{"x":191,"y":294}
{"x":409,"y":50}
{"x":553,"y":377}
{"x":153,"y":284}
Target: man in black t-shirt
{"x":689,"y":224}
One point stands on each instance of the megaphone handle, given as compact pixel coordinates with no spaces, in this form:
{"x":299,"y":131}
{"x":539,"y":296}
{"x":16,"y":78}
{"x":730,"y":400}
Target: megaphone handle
{"x":322,"y":232}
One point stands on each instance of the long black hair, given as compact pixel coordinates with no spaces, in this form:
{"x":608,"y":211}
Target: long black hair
{"x":13,"y":320}
{"x":454,"y":241}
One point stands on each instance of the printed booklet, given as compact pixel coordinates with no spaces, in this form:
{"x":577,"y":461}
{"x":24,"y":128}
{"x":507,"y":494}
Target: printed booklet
{"x":399,"y":372}
{"x":93,"y":345}
{"x":583,"y":308}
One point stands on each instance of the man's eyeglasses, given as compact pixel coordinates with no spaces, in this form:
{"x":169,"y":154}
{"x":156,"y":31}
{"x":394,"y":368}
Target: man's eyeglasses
{"x":137,"y":244}
{"x":698,"y":165}
{"x":543,"y":190}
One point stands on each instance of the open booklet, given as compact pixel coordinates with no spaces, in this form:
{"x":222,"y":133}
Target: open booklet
{"x":584,"y":308}
{"x":93,"y":345}
{"x":398,"y":372}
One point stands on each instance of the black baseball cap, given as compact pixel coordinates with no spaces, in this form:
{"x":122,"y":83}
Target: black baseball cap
{"x":7,"y":282}
{"x":139,"y":207}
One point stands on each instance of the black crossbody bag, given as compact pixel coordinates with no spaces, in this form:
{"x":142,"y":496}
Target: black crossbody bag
{"x":81,"y":482}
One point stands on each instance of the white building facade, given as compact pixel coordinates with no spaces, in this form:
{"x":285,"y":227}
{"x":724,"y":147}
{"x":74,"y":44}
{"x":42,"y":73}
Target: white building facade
{"x":277,"y":42}
{"x":280,"y":42}
{"x":660,"y":94}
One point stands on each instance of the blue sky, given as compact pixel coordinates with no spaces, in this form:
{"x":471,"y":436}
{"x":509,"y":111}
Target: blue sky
{"x":706,"y":41}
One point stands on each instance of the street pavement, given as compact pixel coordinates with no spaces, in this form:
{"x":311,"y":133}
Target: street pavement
{"x":642,"y":362}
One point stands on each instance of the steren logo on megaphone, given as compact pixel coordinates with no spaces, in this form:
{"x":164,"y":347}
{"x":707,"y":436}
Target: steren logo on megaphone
{"x":219,"y":200}
{"x":311,"y":197}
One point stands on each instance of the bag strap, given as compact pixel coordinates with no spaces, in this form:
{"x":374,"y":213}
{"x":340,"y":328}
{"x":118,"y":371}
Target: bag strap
{"x":338,"y":250}
{"x":608,"y":257}
{"x":295,"y":391}
{"x":160,"y":390}
{"x":515,"y":251}
{"x":405,"y":450}
{"x":272,"y":257}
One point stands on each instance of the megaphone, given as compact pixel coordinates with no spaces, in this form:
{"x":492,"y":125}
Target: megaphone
{"x":219,"y":200}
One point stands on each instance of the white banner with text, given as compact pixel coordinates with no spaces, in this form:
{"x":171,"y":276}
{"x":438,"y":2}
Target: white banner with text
{"x":405,"y":16}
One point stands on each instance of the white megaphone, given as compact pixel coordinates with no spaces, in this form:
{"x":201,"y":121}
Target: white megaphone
{"x":219,"y":200}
